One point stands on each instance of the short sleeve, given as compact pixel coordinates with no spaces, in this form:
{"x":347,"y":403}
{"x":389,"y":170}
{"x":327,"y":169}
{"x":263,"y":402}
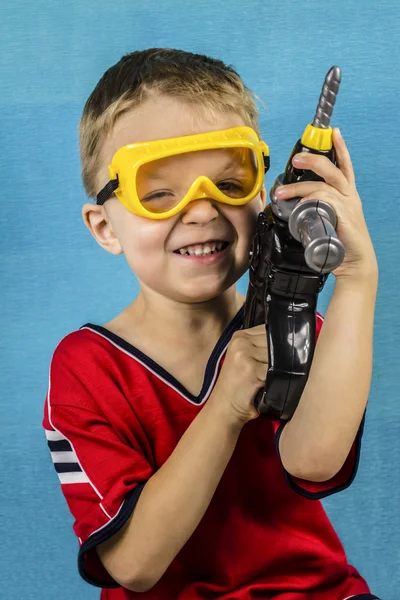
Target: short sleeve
{"x":317,"y":490}
{"x":101,"y":472}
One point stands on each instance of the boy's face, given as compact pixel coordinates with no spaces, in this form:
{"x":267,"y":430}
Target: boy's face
{"x":150,"y":246}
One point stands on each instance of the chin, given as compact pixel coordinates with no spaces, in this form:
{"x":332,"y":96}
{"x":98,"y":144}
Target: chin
{"x":204,"y":292}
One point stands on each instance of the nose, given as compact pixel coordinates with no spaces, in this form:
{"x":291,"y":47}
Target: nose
{"x":202,"y":207}
{"x":202,"y":210}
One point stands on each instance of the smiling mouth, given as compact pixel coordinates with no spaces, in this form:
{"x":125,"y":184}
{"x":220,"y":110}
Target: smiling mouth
{"x":203,"y":249}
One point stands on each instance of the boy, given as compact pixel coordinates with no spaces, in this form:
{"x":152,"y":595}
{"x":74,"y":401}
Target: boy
{"x":179,"y":489}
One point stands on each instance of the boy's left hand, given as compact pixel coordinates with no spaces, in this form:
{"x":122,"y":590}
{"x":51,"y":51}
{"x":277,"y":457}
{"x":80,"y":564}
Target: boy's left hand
{"x":339,"y":190}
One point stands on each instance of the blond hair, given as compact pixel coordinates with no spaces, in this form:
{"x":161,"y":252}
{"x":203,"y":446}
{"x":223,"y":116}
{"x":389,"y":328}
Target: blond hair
{"x":206,"y":83}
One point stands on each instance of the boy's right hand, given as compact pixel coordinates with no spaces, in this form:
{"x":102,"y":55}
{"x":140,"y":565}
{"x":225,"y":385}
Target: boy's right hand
{"x":243,"y":373}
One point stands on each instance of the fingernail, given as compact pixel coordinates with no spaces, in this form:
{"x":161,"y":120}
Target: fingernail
{"x":339,"y":133}
{"x":280,"y":191}
{"x":297,"y":160}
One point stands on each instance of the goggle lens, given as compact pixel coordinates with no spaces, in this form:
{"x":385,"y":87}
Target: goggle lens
{"x":162,"y":184}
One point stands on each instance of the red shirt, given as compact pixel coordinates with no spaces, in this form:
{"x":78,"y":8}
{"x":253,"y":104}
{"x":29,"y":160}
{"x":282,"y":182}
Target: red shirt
{"x":113,"y":416}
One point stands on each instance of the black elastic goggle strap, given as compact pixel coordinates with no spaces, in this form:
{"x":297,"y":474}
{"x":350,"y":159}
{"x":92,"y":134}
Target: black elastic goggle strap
{"x":266,"y":163}
{"x":107,"y":191}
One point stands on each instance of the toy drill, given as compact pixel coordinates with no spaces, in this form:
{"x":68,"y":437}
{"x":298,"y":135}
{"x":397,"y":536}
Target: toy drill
{"x":295,"y":247}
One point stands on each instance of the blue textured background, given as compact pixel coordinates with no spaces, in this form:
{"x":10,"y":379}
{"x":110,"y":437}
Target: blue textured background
{"x":55,"y":277}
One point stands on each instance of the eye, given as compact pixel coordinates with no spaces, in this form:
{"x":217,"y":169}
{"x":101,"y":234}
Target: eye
{"x":156,"y":195}
{"x":233,"y":189}
{"x":229,"y":185}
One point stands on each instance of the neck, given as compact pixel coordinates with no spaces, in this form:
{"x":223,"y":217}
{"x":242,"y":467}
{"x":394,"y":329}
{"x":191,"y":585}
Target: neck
{"x":196,"y":324}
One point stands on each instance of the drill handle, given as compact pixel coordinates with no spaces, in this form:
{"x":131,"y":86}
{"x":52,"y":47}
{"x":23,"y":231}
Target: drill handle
{"x":313,"y":223}
{"x":282,"y":294}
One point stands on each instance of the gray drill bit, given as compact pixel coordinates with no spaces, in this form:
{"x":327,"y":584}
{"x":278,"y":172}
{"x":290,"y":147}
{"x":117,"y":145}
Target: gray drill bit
{"x":327,"y":98}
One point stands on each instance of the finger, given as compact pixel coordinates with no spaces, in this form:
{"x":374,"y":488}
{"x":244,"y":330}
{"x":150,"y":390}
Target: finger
{"x":343,"y":158}
{"x":302,"y":189}
{"x":262,"y":372}
{"x":322,"y":166}
{"x":256,"y":330}
{"x":257,"y":336}
{"x":258,"y":341}
{"x":260,"y":355}
{"x":330,"y":199}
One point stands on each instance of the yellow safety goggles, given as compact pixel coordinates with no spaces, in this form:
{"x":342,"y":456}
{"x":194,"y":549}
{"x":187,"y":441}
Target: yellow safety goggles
{"x":149,"y":178}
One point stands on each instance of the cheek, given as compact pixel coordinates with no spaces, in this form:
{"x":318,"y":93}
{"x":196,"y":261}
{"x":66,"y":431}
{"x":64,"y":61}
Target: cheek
{"x":143,"y":244}
{"x":137,"y":234}
{"x":148,"y":238}
{"x":244,"y":220}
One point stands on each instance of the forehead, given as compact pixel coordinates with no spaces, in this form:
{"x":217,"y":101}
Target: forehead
{"x":163,"y":117}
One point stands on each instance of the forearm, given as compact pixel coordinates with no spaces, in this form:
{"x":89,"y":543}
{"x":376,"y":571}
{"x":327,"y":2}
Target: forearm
{"x":173,"y":501}
{"x":317,"y":440}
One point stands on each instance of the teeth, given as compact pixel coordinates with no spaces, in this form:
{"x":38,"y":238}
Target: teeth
{"x":202,"y":249}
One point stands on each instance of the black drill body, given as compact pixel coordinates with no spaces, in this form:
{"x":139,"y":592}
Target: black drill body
{"x":283,"y":290}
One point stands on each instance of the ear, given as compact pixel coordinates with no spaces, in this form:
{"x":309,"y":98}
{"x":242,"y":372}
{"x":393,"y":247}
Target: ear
{"x":98,"y":222}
